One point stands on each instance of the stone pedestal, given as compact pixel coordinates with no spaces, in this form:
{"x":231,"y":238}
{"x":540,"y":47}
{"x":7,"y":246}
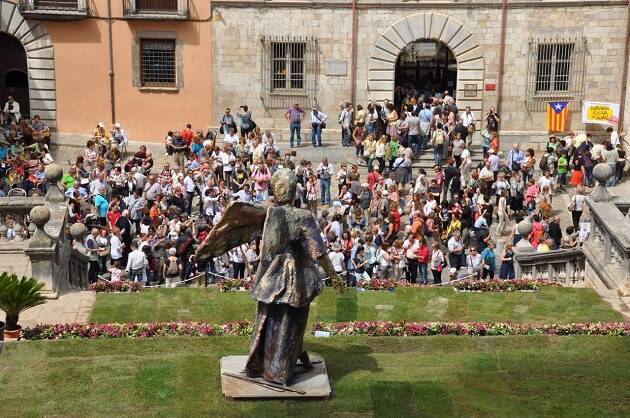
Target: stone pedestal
{"x":306,"y":384}
{"x":41,"y":252}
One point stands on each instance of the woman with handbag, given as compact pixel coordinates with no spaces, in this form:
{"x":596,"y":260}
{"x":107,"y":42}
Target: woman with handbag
{"x":102,"y":244}
{"x":438,"y":262}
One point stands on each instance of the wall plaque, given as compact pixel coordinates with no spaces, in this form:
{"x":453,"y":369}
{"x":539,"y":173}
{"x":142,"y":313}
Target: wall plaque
{"x":336,"y":67}
{"x":470,"y":90}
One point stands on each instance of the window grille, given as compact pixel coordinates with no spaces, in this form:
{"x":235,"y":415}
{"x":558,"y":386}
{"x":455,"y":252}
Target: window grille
{"x":290,"y":70}
{"x":157,"y":63}
{"x":556,"y":70}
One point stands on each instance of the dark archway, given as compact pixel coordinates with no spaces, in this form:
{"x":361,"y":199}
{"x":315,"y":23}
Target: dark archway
{"x":425,"y":66}
{"x":14,"y":73}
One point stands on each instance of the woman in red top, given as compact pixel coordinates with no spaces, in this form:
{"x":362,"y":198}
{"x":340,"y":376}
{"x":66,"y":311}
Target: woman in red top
{"x":423,"y":260}
{"x":113,"y":213}
{"x":346,"y":248}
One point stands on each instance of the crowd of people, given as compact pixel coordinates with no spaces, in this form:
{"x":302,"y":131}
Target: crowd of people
{"x":388,"y":222}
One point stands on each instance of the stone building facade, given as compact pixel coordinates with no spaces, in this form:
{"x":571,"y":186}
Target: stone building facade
{"x":244,"y":31}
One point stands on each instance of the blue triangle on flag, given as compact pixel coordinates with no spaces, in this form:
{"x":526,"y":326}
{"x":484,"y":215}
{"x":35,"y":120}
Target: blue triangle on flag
{"x":558,"y":106}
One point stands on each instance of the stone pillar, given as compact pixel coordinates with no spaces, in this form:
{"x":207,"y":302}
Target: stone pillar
{"x":602,"y":172}
{"x":41,"y":251}
{"x":54,"y":173}
{"x":524,"y":228}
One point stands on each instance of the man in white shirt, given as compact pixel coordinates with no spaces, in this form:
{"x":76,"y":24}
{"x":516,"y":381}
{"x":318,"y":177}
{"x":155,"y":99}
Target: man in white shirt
{"x":325,"y":172}
{"x":413,"y":135}
{"x":317,"y":119}
{"x":614,"y":136}
{"x":468,"y":121}
{"x":136,"y":263}
{"x":474,"y":262}
{"x":11,"y":111}
{"x":189,"y":186}
{"x":231,"y":138}
{"x":456,"y":250}
{"x":244,"y":195}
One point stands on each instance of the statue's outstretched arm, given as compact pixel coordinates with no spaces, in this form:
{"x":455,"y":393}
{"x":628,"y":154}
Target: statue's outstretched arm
{"x":241,"y":223}
{"x":337,"y":282}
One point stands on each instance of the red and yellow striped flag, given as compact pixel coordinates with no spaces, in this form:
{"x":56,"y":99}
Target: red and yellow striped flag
{"x":557,"y":116}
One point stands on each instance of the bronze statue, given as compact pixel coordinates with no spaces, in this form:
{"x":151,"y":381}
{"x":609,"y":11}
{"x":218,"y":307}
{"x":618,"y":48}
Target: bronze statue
{"x":287,"y":279}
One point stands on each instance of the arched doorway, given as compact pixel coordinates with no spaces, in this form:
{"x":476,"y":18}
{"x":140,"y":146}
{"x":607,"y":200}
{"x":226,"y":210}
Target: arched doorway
{"x":425,"y":67}
{"x":428,"y":26}
{"x":14,"y":73}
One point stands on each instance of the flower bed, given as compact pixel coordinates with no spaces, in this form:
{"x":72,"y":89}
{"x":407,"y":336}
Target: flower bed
{"x":233,"y":285}
{"x":360,"y":328}
{"x":134,"y":330}
{"x":497,"y":285}
{"x":417,"y":329}
{"x":464,"y":285}
{"x":115,"y":287}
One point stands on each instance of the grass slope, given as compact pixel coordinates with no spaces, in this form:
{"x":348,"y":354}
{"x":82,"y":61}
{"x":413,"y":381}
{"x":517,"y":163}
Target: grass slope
{"x":380,"y":377}
{"x":559,"y":305}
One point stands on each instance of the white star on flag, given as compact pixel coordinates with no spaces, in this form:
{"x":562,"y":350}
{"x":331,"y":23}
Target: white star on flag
{"x":558,"y":106}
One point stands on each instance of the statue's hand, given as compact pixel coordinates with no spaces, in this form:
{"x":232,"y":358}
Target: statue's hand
{"x":338,"y":283}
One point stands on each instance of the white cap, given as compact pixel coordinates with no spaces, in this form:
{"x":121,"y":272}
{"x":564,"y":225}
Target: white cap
{"x":101,"y":125}
{"x":117,"y":125}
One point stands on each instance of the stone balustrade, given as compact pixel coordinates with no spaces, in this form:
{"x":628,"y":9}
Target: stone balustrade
{"x":39,"y":244}
{"x":564,"y":266}
{"x":608,"y":246}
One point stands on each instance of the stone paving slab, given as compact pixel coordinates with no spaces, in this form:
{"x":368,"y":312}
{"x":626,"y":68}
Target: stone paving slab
{"x":74,"y":306}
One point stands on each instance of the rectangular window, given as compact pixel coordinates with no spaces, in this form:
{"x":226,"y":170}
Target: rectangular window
{"x":553,"y":68}
{"x":157,"y":63}
{"x":289,"y":71}
{"x":287,"y":65}
{"x":555,"y":71}
{"x":156,"y":6}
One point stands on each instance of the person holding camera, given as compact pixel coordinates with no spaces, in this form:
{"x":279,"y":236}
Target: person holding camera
{"x":324,"y":173}
{"x":318,"y":122}
{"x":492,"y":120}
{"x":11,"y":111}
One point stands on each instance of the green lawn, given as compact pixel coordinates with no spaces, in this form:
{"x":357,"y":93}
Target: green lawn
{"x":559,"y":305}
{"x":530,"y":376}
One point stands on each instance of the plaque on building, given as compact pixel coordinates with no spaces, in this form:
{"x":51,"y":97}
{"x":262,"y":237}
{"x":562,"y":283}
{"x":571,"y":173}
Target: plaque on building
{"x":470,"y":90}
{"x":337,"y":67}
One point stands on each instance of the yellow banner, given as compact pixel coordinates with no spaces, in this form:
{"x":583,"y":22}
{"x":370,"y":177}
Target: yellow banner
{"x":600,"y":113}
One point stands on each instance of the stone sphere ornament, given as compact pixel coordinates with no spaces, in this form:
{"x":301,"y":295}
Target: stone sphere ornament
{"x":39,"y":215}
{"x":78,"y":231}
{"x":524,"y":228}
{"x":602,"y":172}
{"x":53,"y":172}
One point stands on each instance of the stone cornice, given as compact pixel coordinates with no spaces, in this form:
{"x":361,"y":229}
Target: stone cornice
{"x":413,"y":4}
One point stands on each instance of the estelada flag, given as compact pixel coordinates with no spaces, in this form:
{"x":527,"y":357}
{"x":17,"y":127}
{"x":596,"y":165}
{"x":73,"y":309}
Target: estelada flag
{"x":557,"y":116}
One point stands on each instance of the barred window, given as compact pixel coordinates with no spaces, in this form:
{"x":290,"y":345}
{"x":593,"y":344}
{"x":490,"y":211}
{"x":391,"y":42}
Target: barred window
{"x":287,"y":65}
{"x":289,"y":70}
{"x":556,"y":70}
{"x":553,"y":68}
{"x":157,"y":63}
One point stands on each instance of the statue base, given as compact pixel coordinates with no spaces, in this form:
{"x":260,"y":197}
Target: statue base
{"x":306,"y":383}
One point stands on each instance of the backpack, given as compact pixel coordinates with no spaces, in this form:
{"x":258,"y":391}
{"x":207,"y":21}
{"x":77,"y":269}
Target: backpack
{"x":544,"y":162}
{"x":172,"y":269}
{"x":439,"y":137}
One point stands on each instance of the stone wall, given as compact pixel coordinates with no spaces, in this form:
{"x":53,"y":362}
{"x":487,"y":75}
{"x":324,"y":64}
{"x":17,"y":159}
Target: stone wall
{"x":237,"y":50}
